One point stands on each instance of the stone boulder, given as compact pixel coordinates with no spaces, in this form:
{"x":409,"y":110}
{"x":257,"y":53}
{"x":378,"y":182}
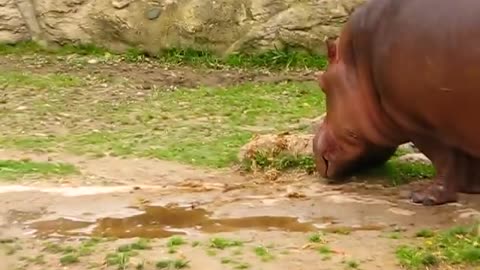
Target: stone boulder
{"x":220,"y":26}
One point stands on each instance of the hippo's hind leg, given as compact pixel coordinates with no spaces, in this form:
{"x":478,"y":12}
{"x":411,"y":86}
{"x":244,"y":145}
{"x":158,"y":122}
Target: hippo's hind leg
{"x":452,"y":172}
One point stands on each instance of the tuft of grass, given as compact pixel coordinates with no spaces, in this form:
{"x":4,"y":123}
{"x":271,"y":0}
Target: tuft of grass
{"x":121,"y":257}
{"x":459,"y":247}
{"x":69,"y":259}
{"x":140,"y":244}
{"x":263,"y":253}
{"x":15,"y":79}
{"x":325,"y":250}
{"x":242,"y":265}
{"x":425,"y":233}
{"x":71,"y":254}
{"x":175,"y":241}
{"x":351,"y":264}
{"x":13,"y":169}
{"x":280,"y":162}
{"x":316,"y":238}
{"x":172,"y":264}
{"x":223,"y":243}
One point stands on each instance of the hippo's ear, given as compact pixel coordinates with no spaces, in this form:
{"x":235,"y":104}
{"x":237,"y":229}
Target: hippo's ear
{"x":331,"y":44}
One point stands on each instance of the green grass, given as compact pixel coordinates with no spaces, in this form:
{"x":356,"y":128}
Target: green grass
{"x":14,"y":169}
{"x":399,"y":173}
{"x":273,"y":59}
{"x":174,"y":242}
{"x":140,"y":244}
{"x":263,"y":253}
{"x":204,"y":127}
{"x":325,"y":250}
{"x":16,"y":79}
{"x":394,"y":171}
{"x":280,"y":162}
{"x":458,"y":247}
{"x":223,"y":243}
{"x":121,"y":257}
{"x":316,"y":238}
{"x":172,"y":264}
{"x":425,"y":233}
{"x":71,"y":254}
{"x":351,"y":264}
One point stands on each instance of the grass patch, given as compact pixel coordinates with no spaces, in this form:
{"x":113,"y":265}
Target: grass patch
{"x":316,"y":238}
{"x":263,"y":253}
{"x":459,"y":247}
{"x":280,"y":162}
{"x":325,"y":250}
{"x":203,"y":127}
{"x":15,"y":79}
{"x":425,"y":233}
{"x":71,"y":254}
{"x":223,"y":243}
{"x":172,"y":264}
{"x":351,"y":264}
{"x":13,"y":169}
{"x":121,"y":257}
{"x":399,"y":173}
{"x":140,"y":244}
{"x":174,"y":242}
{"x":273,"y":59}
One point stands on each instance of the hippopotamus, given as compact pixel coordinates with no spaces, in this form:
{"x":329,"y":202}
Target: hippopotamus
{"x":405,"y":71}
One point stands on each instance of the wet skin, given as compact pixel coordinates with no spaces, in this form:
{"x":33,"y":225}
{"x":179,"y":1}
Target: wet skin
{"x":399,"y":73}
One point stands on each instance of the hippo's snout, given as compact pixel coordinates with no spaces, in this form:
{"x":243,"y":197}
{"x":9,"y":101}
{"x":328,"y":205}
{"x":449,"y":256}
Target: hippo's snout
{"x":319,"y":146}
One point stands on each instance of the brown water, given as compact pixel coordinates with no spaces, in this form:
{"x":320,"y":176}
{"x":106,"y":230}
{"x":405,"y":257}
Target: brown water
{"x":157,"y":222}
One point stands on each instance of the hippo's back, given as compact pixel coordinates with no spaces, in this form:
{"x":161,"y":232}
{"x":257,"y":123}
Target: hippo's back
{"x":424,"y":57}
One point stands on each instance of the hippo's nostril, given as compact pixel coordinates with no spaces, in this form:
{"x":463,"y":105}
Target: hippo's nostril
{"x":326,"y":166}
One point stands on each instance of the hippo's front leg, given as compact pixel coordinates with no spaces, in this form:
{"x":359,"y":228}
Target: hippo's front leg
{"x":451,"y":168}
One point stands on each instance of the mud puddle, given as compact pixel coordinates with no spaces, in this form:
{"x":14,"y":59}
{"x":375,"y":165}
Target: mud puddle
{"x":163,"y":213}
{"x":159,"y":222}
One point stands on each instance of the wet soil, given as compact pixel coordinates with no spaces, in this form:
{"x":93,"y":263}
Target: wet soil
{"x":122,"y":199}
{"x":355,"y":219}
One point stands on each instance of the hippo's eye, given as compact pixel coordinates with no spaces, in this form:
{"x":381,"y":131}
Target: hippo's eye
{"x":351,"y":134}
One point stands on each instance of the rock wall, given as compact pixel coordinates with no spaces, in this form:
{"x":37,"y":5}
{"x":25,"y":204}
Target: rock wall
{"x":221,"y":26}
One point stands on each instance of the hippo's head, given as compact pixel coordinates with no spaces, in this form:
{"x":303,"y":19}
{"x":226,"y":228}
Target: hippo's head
{"x":339,"y":146}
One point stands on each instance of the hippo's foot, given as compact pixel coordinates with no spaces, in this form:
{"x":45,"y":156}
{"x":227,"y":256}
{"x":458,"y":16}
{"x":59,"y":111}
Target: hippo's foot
{"x":435,"y":194}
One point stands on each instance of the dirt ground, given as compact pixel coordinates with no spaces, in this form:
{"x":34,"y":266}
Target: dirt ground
{"x":228,"y":219}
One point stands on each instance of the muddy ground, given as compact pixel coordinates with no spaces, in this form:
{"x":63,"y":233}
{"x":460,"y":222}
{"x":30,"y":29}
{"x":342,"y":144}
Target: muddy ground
{"x":227,"y":219}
